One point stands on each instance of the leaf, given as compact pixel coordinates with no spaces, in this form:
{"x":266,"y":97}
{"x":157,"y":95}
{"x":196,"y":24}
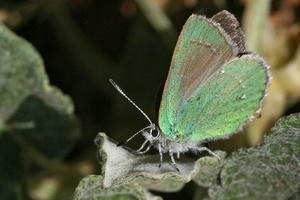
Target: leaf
{"x":29,"y":106}
{"x":121,"y":166}
{"x":53,"y":133}
{"x":270,"y":171}
{"x":21,"y":72}
{"x":31,"y":111}
{"x":11,"y":185}
{"x":89,"y":188}
{"x":208,"y":171}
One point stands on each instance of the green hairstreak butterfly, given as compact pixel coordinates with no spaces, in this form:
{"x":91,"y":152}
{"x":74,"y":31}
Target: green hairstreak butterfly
{"x":215,"y":86}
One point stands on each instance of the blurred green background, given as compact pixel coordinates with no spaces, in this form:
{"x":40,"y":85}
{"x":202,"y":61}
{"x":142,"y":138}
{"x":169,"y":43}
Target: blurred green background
{"x":85,"y":42}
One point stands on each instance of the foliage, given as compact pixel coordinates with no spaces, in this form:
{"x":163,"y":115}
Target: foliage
{"x":268,"y":171}
{"x":36,"y":118}
{"x":83,"y":43}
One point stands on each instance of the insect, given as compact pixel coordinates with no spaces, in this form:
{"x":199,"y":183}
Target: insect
{"x":215,"y":86}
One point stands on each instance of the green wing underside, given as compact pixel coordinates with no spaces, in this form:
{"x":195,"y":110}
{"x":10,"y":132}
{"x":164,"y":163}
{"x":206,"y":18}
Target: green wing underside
{"x":219,"y":107}
{"x":234,"y":96}
{"x":213,"y":102}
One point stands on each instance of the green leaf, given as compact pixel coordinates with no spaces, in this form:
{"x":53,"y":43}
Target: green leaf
{"x":208,"y":171}
{"x":121,"y":166}
{"x":31,"y":111}
{"x":53,"y":133}
{"x":29,"y":105}
{"x":21,"y":72}
{"x":89,"y":188}
{"x":270,"y":171}
{"x":11,"y":184}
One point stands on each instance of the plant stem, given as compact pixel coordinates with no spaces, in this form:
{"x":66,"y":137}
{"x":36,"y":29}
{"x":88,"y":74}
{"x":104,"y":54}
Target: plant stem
{"x":54,"y":166}
{"x":159,"y":20}
{"x":255,"y":19}
{"x":92,"y":63}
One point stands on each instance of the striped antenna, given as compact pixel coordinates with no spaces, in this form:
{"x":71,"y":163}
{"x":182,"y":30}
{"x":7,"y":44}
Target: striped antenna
{"x":121,"y":92}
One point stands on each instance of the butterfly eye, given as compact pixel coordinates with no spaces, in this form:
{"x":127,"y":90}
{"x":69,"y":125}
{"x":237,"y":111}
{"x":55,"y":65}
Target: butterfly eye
{"x":154,"y":133}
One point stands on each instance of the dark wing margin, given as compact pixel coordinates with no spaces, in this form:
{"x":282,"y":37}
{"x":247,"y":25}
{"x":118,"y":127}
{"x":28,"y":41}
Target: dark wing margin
{"x":232,"y":27}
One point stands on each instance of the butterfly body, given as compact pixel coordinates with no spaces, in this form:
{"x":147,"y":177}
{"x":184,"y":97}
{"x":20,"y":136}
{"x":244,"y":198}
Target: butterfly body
{"x":210,"y":91}
{"x":214,"y":87}
{"x":166,"y":144}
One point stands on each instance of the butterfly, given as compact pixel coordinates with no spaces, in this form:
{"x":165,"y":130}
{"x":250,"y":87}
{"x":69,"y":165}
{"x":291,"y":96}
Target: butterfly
{"x":214,"y":87}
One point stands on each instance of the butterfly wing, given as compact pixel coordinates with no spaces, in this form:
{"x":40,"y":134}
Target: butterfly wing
{"x":209,"y":93}
{"x":202,"y":48}
{"x":231,"y":97}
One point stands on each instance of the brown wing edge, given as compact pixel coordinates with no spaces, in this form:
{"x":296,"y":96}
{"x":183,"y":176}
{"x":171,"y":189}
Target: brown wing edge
{"x":232,"y":27}
{"x":220,"y":30}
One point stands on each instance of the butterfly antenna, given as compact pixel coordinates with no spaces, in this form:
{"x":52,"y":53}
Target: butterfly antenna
{"x":121,"y":92}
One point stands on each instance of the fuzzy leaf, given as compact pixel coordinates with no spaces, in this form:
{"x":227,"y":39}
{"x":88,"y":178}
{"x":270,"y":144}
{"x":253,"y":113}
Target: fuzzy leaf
{"x":270,"y":171}
{"x":208,"y":171}
{"x":121,"y":166}
{"x":89,"y":188}
{"x":30,"y":110}
{"x":29,"y":106}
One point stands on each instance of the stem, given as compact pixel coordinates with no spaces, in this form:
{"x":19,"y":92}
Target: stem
{"x":159,"y":20}
{"x":54,"y":166}
{"x":91,"y":63}
{"x":255,"y":19}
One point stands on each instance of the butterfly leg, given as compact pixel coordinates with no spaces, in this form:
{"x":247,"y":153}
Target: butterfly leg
{"x":160,"y":155}
{"x":143,"y":145}
{"x":146,"y":150}
{"x":209,"y":151}
{"x":173,"y":160}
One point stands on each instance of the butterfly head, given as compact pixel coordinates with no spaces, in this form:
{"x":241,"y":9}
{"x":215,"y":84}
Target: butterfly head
{"x":153,"y":134}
